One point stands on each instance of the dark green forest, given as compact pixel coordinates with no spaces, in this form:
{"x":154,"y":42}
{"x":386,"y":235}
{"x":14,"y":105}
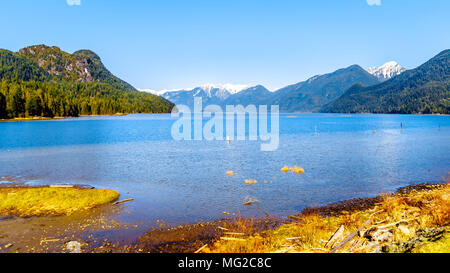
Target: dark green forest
{"x":29,"y":90}
{"x":70,"y":99}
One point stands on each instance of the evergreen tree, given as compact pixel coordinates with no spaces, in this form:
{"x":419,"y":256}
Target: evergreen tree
{"x":3,"y":113}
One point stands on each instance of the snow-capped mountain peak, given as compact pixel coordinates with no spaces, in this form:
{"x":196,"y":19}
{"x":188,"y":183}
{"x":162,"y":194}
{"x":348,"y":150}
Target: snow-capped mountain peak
{"x":230,"y":88}
{"x":220,"y":88}
{"x":157,"y":92}
{"x":387,"y":70}
{"x":210,"y":93}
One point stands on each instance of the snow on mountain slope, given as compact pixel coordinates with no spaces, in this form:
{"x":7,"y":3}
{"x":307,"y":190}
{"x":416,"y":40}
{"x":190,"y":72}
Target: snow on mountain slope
{"x":230,"y":88}
{"x":387,"y":70}
{"x":208,"y":88}
{"x":210,"y":93}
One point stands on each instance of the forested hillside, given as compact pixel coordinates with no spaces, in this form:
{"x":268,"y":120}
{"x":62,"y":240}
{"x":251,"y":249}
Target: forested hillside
{"x":424,"y":90}
{"x":311,"y":95}
{"x":47,"y":82}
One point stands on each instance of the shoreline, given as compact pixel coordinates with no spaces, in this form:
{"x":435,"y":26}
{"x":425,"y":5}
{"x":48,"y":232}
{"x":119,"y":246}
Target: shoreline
{"x":190,"y":237}
{"x":414,"y":218}
{"x":58,"y":118}
{"x":195,"y":236}
{"x":126,"y":114}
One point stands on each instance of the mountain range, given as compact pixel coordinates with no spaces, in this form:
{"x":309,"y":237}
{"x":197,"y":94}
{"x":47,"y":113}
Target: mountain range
{"x":210,"y":94}
{"x":222,"y":95}
{"x":306,"y":96}
{"x":389,"y":88}
{"x":424,"y":90}
{"x":312,"y":94}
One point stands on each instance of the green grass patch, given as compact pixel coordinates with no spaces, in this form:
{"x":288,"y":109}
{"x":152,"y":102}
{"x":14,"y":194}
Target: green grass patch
{"x":42,"y":201}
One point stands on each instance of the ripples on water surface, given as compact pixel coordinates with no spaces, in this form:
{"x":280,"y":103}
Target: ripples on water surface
{"x":185,"y":181}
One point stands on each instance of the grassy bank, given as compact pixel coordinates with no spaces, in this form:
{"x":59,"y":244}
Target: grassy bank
{"x":39,"y":201}
{"x":32,"y":119}
{"x":412,"y":220}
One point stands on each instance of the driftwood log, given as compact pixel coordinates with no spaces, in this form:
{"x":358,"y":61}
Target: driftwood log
{"x":337,"y":236}
{"x":350,"y":237}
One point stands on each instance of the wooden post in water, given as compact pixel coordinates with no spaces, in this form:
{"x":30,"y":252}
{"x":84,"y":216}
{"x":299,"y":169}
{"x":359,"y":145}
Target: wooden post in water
{"x":374,"y":128}
{"x":315,"y":130}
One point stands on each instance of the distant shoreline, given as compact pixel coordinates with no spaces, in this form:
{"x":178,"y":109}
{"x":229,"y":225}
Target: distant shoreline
{"x":126,"y":114}
{"x":58,"y":118}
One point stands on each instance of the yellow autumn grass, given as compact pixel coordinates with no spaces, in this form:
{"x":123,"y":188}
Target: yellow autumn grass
{"x":38,"y":201}
{"x":294,"y":169}
{"x":309,"y":233}
{"x":297,"y":170}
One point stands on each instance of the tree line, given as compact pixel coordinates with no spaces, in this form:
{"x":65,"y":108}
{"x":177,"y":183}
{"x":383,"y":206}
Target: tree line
{"x":19,"y":99}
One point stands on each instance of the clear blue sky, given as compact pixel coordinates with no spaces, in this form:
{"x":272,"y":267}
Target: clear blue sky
{"x":169,"y":44}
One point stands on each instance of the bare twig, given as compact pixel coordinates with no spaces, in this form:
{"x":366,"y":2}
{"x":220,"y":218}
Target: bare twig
{"x":200,"y":249}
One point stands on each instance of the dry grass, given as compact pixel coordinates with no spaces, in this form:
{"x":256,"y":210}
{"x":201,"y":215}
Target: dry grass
{"x":294,"y":169}
{"x":39,"y":201}
{"x":310,"y":232}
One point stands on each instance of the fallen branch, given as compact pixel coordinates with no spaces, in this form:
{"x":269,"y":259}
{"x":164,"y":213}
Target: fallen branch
{"x":123,"y":201}
{"x":49,"y":240}
{"x":357,"y":244}
{"x":200,"y":249}
{"x":232,"y":239}
{"x":293,"y":238}
{"x":338,"y":234}
{"x":350,"y":237}
{"x":394,"y":224}
{"x":296,"y":218}
{"x":235,"y":233}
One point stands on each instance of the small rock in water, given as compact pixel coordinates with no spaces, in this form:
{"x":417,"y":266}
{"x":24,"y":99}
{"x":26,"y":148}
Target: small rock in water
{"x":73,"y":247}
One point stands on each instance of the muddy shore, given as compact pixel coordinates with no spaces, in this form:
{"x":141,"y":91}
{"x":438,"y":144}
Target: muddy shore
{"x":97,"y":231}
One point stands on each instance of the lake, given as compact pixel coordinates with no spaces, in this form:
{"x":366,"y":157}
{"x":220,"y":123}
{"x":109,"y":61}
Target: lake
{"x":185,"y":181}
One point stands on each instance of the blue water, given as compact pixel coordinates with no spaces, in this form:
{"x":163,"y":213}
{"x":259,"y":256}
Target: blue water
{"x":185,"y":181}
